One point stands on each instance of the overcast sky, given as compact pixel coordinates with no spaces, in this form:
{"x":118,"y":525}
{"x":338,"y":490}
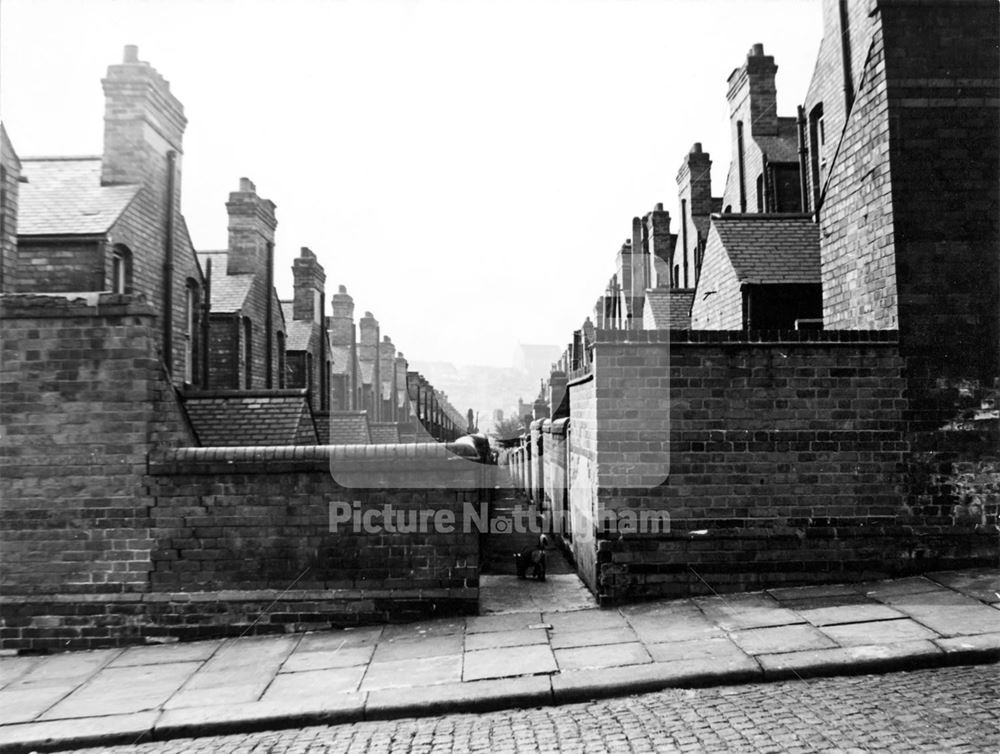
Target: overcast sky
{"x":467,"y":169}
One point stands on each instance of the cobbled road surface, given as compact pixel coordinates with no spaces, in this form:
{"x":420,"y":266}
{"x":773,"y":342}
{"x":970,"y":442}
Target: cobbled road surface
{"x":943,"y":710}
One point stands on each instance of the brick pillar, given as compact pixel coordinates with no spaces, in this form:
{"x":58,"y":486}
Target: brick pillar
{"x":309,"y":286}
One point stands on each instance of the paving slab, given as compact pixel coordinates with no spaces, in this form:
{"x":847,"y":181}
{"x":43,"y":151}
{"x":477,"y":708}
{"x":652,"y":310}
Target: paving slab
{"x":62,"y":668}
{"x":605,"y":656}
{"x":257,"y":652}
{"x":508,"y":661}
{"x":473,"y":696}
{"x":894,"y":587}
{"x":687,"y":624}
{"x":985,"y":647}
{"x":232,"y":686}
{"x":416,"y":647}
{"x":981,"y":583}
{"x":887,"y":631}
{"x":331,"y":658}
{"x":420,"y":671}
{"x":741,"y":611}
{"x":314,"y":683}
{"x":948,"y":613}
{"x":758,"y":641}
{"x":852,"y":613}
{"x":498,"y":639}
{"x":124,"y":690}
{"x":720,"y":649}
{"x":12,"y":668}
{"x":322,"y":641}
{"x":604,"y":682}
{"x":107,"y":730}
{"x":508,"y":594}
{"x":585,"y":620}
{"x":479,"y":624}
{"x":231,"y":718}
{"x":847,"y":660}
{"x":195,"y":651}
{"x":424,"y":629}
{"x":812,"y":592}
{"x":24,"y":704}
{"x":593,"y":637}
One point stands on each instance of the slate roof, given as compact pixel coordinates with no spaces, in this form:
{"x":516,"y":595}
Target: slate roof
{"x":785,"y":146}
{"x":349,"y":428}
{"x":64,"y":196}
{"x":383,"y":434}
{"x":288,"y":310}
{"x":229,"y":292}
{"x":251,"y":418}
{"x":299,"y":334}
{"x":670,"y":308}
{"x":770,"y":248}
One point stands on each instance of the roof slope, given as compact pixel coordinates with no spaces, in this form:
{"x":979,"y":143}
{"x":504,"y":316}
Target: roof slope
{"x":64,"y":196}
{"x":770,"y":248}
{"x":229,"y":292}
{"x":251,"y":418}
{"x":349,"y":428}
{"x":668,"y":309}
{"x":300,"y":335}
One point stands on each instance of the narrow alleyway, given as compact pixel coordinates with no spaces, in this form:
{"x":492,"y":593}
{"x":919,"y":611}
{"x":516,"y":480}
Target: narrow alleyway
{"x":500,"y":591}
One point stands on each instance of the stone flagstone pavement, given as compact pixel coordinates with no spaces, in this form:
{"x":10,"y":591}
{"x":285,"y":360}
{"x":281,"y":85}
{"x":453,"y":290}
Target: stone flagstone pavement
{"x":546,"y":653}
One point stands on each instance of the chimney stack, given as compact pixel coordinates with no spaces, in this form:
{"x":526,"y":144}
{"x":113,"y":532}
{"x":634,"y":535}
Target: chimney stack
{"x":309,"y":286}
{"x":753,"y":97}
{"x":143,"y":121}
{"x":251,"y":230}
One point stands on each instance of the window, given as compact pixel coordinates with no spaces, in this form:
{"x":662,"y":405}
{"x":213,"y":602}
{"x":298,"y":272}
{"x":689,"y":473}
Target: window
{"x":817,"y":151}
{"x":121,"y":269}
{"x":760,"y":192}
{"x":190,"y":323}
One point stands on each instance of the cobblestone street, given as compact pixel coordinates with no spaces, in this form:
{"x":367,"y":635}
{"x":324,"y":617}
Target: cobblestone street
{"x":946,"y":710}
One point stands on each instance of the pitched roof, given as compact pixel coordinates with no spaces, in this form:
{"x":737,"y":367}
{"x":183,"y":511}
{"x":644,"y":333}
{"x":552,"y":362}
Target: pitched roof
{"x":668,"y":309}
{"x":349,"y":428}
{"x":785,"y":146}
{"x":64,"y":196}
{"x":770,"y":248}
{"x":251,"y":418}
{"x":299,"y":335}
{"x":288,"y":310}
{"x":385,"y":433}
{"x":229,"y":292}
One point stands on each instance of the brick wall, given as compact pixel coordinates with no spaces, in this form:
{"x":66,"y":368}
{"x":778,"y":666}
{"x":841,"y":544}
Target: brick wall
{"x":785,"y":451}
{"x":582,"y":476}
{"x":82,"y":392}
{"x":63,"y":266}
{"x":10,"y":171}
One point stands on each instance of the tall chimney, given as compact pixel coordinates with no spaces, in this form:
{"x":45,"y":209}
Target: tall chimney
{"x":753,"y":97}
{"x":143,"y":122}
{"x":251,"y":230}
{"x":341,"y":324}
{"x":309,"y":285}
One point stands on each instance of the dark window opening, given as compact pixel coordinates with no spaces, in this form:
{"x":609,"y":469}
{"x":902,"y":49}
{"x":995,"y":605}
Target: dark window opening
{"x":248,"y":353}
{"x":121,"y":270}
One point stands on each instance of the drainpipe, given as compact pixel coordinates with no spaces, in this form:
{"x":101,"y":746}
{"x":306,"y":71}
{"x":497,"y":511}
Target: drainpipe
{"x":803,"y":160}
{"x":206,"y":311}
{"x":684,"y":244}
{"x":845,"y":56}
{"x":269,"y":320}
{"x":739,"y":152}
{"x":168,"y":267}
{"x":324,"y":373}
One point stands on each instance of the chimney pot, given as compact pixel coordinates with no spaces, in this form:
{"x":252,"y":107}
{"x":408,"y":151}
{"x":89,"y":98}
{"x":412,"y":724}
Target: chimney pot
{"x":342,"y":289}
{"x":247,"y":186}
{"x":658,"y":207}
{"x":131,"y":54}
{"x":369,"y":315}
{"x":757,"y":50}
{"x":696,"y":149}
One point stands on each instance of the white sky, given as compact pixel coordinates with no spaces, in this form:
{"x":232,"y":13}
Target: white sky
{"x":467,"y":169}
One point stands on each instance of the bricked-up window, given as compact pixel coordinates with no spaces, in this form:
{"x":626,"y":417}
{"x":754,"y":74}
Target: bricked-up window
{"x":248,"y":352}
{"x":190,"y":325}
{"x":817,"y":156}
{"x":121,"y":269}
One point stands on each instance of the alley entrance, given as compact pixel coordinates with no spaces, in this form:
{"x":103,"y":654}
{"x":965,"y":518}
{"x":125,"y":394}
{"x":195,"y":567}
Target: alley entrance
{"x":500,"y":590}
